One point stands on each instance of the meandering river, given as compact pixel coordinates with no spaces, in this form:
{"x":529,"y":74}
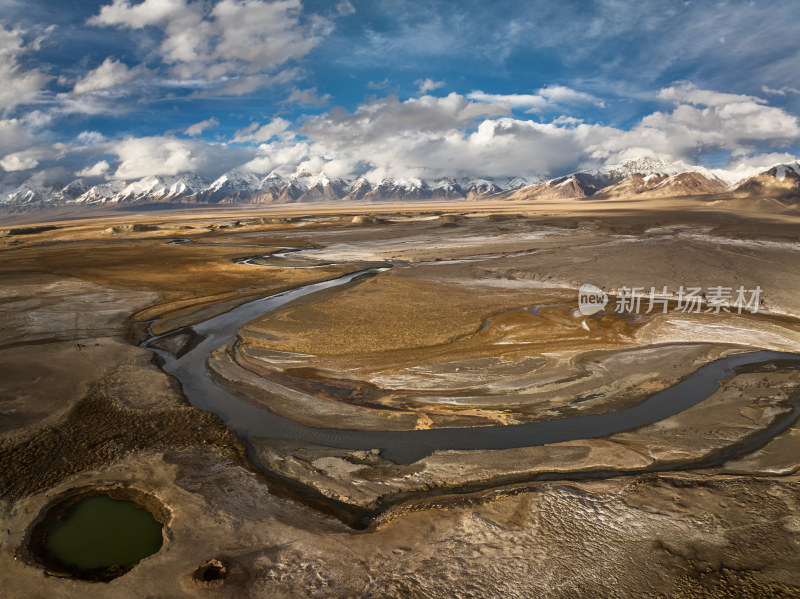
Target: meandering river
{"x":251,"y":421}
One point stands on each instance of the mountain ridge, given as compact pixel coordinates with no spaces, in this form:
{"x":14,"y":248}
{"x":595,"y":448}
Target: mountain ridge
{"x":639,"y":178}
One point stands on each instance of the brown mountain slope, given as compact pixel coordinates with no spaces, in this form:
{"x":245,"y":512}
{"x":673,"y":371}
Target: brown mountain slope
{"x":782,"y":181}
{"x":661,"y":186}
{"x":582,"y":186}
{"x":573,"y":187}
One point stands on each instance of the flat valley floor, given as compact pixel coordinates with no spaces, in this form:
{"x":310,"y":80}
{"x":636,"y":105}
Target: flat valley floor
{"x":465,"y":317}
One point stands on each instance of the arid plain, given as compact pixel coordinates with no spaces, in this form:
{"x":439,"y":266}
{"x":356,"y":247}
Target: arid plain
{"x":460,"y":318}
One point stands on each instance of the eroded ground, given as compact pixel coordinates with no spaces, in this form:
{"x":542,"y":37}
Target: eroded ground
{"x":474,"y":326}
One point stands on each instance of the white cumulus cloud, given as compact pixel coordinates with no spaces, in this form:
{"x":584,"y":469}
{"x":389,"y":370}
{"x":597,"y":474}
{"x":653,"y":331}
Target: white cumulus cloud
{"x":160,"y":155}
{"x":428,"y":85}
{"x":90,"y":138}
{"x":706,"y":120}
{"x":385,"y":117}
{"x":32,"y":157}
{"x":560,"y":94}
{"x":109,"y":74}
{"x":544,"y":99}
{"x":19,"y":162}
{"x":17,"y":85}
{"x":308,"y":97}
{"x":14,"y":136}
{"x":198,"y":128}
{"x":430,"y":137}
{"x":256,"y":132}
{"x":99,"y":169}
{"x":229,"y":38}
{"x":136,"y":16}
{"x":532,"y":101}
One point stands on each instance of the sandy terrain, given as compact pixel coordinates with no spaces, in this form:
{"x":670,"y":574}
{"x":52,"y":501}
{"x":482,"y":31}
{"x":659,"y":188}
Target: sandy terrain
{"x":472,"y":329}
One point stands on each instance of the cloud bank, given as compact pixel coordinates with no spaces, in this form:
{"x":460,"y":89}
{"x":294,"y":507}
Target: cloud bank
{"x":454,"y":135}
{"x":431,"y":137}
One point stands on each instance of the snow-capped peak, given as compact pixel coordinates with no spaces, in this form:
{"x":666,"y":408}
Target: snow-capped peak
{"x":105,"y":192}
{"x":566,"y":181}
{"x":445,"y":184}
{"x":187,"y":183}
{"x":517,"y":182}
{"x":647,"y":166}
{"x":28,"y":192}
{"x":782,"y":170}
{"x":146,"y":186}
{"x":468,"y":182}
{"x":236,"y":180}
{"x":407,"y":183}
{"x":274,"y":179}
{"x":71,"y":192}
{"x":320,"y":179}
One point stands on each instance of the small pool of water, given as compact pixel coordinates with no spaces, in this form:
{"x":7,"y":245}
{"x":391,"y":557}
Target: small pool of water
{"x":99,"y":533}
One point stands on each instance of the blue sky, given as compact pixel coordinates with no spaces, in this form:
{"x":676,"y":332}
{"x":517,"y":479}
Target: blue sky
{"x":121,"y":89}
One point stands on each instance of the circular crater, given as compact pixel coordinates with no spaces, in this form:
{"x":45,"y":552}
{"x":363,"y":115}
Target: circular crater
{"x":97,"y":534}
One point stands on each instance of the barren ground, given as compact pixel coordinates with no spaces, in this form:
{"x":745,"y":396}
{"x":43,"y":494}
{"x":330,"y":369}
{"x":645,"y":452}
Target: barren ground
{"x":475,"y":326}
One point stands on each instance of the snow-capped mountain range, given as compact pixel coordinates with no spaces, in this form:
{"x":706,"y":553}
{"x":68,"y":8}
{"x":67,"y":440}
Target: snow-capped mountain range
{"x":640,"y":177}
{"x":243,"y":186}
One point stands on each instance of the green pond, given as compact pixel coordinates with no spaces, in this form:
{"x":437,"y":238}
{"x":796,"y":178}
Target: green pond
{"x":99,"y":532}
